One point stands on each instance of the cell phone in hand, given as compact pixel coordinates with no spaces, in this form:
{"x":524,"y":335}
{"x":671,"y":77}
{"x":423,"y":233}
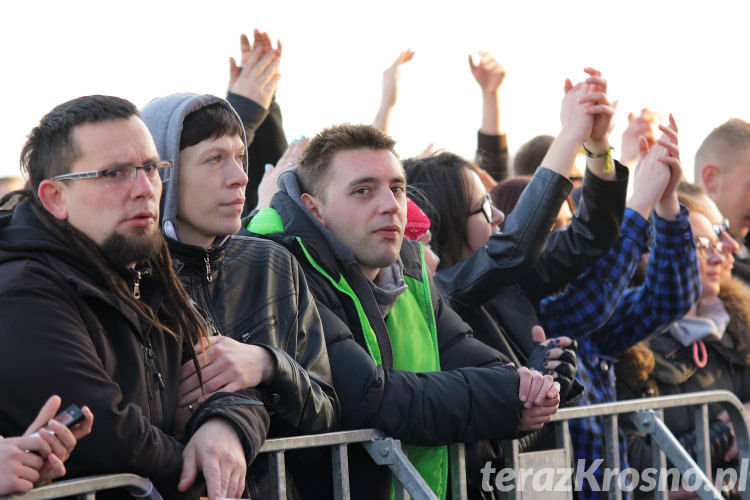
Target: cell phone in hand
{"x":70,"y":416}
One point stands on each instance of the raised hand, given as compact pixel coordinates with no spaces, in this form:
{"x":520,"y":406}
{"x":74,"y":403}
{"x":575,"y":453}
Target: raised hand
{"x":669,"y":154}
{"x":646,"y":125}
{"x":598,"y":106}
{"x":258,"y":77}
{"x":391,"y":77}
{"x":390,"y":90}
{"x":576,"y":122}
{"x":488,"y":73}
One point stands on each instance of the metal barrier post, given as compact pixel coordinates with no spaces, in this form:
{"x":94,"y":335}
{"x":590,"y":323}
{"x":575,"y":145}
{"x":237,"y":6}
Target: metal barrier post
{"x":388,"y":452}
{"x":659,"y":459}
{"x":457,"y":461}
{"x":340,"y":459}
{"x":612,"y":449}
{"x":277,"y":467}
{"x":647,"y":423}
{"x":702,"y":440}
{"x":512,"y":452}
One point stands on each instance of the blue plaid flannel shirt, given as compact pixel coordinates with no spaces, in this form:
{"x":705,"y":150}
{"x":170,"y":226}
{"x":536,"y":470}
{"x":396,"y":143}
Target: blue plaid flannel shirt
{"x":671,"y":288}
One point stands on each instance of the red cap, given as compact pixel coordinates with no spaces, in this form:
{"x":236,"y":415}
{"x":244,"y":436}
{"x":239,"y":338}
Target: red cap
{"x":417,"y":223}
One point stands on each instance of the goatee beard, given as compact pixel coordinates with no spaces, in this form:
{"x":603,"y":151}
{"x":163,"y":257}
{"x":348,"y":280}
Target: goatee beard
{"x":122,"y":251}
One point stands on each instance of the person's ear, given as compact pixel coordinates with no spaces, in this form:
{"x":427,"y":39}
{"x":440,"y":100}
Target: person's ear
{"x":53,"y":196}
{"x":313,"y":205}
{"x":711,"y":178}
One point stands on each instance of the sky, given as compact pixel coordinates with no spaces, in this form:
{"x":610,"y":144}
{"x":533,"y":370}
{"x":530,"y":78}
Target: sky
{"x":687,"y":58}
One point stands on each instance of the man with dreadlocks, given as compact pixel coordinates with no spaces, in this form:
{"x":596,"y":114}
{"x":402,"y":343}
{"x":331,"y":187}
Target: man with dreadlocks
{"x":90,"y":308}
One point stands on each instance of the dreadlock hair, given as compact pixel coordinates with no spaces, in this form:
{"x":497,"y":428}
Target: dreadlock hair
{"x":50,"y":150}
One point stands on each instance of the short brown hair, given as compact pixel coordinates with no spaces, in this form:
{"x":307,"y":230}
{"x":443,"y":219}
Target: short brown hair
{"x":722,"y":145}
{"x":316,"y":160}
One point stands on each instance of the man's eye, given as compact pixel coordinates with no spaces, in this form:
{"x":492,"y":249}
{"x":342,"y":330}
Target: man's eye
{"x":149,"y":168}
{"x":397,"y":189}
{"x":216,"y":159}
{"x":111,"y":173}
{"x":362,"y":191}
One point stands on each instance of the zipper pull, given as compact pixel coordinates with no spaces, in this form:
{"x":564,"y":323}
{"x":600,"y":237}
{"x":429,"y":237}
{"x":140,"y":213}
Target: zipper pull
{"x":137,"y":286}
{"x":208,"y":268}
{"x":146,"y":361}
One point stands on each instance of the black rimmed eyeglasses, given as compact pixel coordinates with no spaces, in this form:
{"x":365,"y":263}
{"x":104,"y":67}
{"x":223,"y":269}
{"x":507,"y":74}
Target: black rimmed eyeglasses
{"x":154,"y":170}
{"x":485,"y":208}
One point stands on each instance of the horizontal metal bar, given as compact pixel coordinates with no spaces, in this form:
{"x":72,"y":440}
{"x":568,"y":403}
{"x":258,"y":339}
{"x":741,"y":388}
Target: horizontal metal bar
{"x":141,"y":486}
{"x":633,"y":405}
{"x":315,"y":440}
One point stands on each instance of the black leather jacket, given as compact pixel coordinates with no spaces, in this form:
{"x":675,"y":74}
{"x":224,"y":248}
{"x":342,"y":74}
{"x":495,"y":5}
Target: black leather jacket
{"x":525,"y":262}
{"x":253,"y":291}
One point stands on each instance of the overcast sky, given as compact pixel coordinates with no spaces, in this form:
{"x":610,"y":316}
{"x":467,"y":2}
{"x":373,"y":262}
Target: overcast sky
{"x":684,"y":57}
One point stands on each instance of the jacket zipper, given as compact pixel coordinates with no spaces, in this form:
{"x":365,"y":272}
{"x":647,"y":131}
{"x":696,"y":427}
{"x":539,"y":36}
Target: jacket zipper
{"x":150,"y":361}
{"x":137,"y":286}
{"x":207,"y":260}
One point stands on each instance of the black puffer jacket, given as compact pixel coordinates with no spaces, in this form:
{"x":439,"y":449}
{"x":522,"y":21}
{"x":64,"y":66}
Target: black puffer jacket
{"x":62,"y":333}
{"x":254,"y":291}
{"x":474,"y":397}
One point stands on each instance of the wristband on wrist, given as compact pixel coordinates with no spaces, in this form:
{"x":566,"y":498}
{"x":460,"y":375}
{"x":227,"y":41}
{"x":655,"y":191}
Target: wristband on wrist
{"x":609,"y":164}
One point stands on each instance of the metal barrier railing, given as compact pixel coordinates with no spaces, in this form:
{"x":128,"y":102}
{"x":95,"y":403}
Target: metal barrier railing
{"x":646,"y":415}
{"x":386,"y":451}
{"x":86,"y":487}
{"x":382,"y":449}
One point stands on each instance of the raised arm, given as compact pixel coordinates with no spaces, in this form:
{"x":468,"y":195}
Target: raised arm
{"x":251,"y":90}
{"x":390,"y":90}
{"x":672,"y":281}
{"x":511,"y":254}
{"x":588,"y":302}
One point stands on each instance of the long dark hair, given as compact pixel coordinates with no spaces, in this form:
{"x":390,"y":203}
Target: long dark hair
{"x":443,"y":179}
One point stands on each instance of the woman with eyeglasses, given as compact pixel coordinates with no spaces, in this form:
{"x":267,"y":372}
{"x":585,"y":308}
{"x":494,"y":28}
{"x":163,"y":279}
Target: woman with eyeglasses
{"x":709,"y":348}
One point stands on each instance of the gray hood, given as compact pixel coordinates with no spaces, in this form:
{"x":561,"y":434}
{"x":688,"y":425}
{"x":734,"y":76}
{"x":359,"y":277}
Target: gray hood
{"x":164,"y":117}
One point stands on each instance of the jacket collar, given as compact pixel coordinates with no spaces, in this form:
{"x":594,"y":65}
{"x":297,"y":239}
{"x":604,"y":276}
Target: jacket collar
{"x":197,"y":261}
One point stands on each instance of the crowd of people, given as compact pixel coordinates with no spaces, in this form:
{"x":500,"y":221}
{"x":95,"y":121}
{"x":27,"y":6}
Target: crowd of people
{"x":201,"y":284}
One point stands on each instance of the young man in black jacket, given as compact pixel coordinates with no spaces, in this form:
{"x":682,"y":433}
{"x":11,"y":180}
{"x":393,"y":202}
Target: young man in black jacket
{"x":265,"y":329}
{"x":402,"y":360}
{"x":88,"y":298}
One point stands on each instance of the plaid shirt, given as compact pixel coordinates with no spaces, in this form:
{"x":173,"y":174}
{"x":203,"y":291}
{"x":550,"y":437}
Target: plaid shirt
{"x":589,"y":301}
{"x":671,"y":288}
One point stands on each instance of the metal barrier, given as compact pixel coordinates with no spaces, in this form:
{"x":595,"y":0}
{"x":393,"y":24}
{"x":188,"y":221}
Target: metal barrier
{"x":382,"y":449}
{"x":386,"y":451}
{"x":646,"y":415}
{"x":86,"y":487}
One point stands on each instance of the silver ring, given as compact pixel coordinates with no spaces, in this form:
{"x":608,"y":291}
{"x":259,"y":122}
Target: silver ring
{"x":190,"y":407}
